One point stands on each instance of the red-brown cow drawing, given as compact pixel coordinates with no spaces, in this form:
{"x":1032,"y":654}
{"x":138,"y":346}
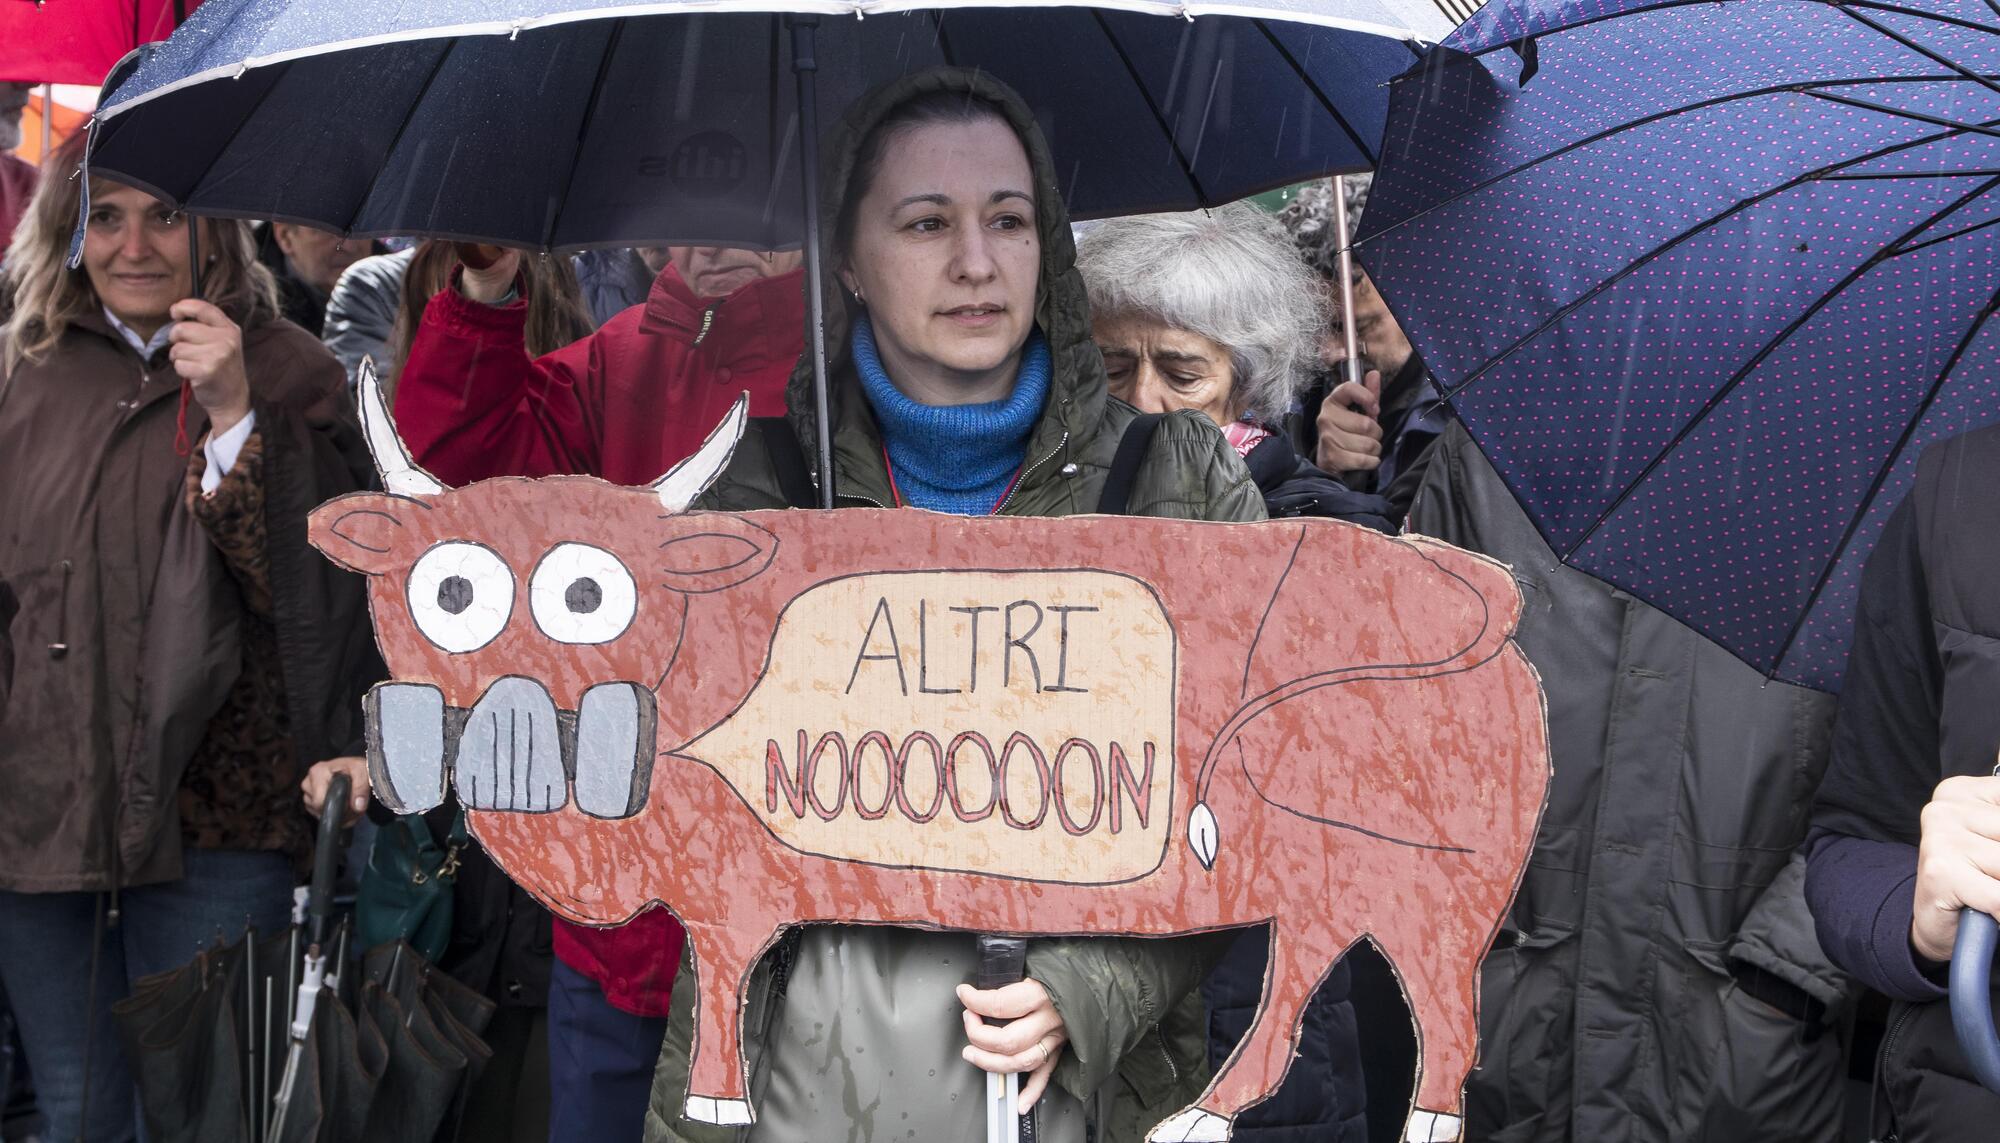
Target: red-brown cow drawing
{"x":1026,"y":726}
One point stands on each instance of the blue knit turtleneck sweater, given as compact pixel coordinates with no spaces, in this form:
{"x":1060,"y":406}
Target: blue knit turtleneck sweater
{"x":954,"y":458}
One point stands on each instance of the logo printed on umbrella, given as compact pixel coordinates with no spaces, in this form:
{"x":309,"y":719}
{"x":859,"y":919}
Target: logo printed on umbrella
{"x":707,"y":165}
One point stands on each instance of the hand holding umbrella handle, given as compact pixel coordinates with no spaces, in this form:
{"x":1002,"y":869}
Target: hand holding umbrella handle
{"x":1972,"y":994}
{"x":326,"y":857}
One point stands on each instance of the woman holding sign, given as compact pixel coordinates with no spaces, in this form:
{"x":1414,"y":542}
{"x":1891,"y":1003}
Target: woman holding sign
{"x":964,"y":380}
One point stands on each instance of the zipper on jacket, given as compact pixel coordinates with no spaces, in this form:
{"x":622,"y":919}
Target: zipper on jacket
{"x":1882,"y":1056}
{"x":707,"y":320}
{"x":60,"y":647}
{"x":1029,"y":471}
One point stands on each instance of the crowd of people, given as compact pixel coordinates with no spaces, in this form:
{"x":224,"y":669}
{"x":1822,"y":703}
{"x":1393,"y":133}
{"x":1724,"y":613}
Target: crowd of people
{"x":1726,"y":874}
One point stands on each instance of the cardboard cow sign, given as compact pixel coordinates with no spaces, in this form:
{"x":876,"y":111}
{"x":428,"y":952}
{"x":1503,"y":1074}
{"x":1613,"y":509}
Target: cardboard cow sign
{"x":1087,"y":725}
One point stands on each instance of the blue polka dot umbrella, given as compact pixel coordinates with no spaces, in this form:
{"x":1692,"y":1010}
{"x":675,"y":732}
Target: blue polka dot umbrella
{"x":1703,"y":280}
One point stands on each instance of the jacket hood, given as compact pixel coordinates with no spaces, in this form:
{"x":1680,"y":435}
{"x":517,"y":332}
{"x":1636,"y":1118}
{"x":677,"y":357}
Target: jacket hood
{"x":1077,"y":386}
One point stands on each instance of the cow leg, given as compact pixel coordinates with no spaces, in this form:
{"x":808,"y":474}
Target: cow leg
{"x":1439,"y":969}
{"x":1298,"y":963}
{"x":716,"y":1092}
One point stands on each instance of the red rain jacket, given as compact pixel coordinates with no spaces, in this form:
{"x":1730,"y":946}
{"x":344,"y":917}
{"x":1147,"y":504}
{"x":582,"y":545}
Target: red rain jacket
{"x":625,"y":404}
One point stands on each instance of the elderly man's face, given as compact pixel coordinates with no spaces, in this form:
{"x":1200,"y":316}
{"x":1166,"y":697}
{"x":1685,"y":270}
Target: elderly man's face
{"x":317,"y":256}
{"x":1158,"y":368}
{"x":13,"y":102}
{"x":719,"y":271}
{"x":1380,"y":340}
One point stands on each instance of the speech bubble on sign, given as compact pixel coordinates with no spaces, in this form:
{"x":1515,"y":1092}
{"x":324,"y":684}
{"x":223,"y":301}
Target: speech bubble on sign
{"x":1017,"y":724}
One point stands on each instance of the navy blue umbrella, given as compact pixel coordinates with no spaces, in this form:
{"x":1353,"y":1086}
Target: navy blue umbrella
{"x":1702,"y":280}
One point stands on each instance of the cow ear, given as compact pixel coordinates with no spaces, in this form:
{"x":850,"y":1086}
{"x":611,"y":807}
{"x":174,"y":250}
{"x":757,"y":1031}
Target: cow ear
{"x":363,"y":531}
{"x":712,"y":551}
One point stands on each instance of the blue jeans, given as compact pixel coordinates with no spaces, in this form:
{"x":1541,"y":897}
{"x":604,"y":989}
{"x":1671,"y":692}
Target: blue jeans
{"x":600,"y":1063}
{"x":45,"y":941}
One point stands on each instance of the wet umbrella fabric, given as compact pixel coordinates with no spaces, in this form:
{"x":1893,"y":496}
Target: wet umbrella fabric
{"x":1703,"y":280}
{"x":561,"y":124}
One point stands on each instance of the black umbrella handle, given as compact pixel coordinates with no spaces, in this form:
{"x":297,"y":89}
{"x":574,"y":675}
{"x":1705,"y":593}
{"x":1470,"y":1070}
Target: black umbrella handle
{"x":1972,"y":994}
{"x":326,"y":858}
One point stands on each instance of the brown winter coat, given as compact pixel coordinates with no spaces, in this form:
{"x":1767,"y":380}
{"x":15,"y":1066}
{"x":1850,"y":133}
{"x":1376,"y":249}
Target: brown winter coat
{"x":126,"y":641}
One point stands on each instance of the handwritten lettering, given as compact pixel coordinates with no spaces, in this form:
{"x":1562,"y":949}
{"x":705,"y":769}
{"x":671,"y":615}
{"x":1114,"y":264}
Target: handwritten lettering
{"x":948,"y":649}
{"x":969,"y":775}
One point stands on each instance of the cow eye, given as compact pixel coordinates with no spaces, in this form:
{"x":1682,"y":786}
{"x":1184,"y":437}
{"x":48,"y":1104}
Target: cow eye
{"x":461,"y":595}
{"x":582,"y":594}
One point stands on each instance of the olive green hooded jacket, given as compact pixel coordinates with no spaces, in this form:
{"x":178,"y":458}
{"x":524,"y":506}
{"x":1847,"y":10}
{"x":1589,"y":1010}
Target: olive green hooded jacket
{"x":862,"y":1042}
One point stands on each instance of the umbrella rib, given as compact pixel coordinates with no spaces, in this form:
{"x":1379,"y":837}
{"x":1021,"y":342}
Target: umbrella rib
{"x":583,"y":128}
{"x":1943,"y":238}
{"x":1312,"y":85}
{"x":944,"y":42}
{"x":1932,"y":55}
{"x":1901,"y":113}
{"x":1152,"y":105}
{"x":1585,"y":23}
{"x":1716,"y":398}
{"x":1920,"y":14}
{"x":1882,"y":475}
{"x":1670,"y":244}
{"x":396,"y":140}
{"x":1906,"y":176}
{"x":1647,"y":121}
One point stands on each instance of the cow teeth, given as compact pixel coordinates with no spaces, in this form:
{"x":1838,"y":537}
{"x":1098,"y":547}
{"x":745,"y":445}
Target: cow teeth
{"x":614,"y":749}
{"x":510,"y":754}
{"x":406,"y":745}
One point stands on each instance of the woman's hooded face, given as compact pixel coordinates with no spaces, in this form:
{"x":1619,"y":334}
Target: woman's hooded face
{"x":945,"y":256}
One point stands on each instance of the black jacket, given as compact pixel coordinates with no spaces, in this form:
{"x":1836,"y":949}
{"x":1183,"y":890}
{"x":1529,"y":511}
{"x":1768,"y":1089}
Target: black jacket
{"x":1292,"y":486}
{"x":1918,"y":706}
{"x":1658,"y":979}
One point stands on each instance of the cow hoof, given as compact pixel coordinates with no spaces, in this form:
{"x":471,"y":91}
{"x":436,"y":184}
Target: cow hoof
{"x":723,"y":1112}
{"x":1432,"y":1127}
{"x":1192,"y":1126}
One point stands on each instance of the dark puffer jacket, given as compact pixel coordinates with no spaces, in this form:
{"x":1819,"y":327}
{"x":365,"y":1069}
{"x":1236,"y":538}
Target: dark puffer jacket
{"x":1658,"y":979}
{"x":1917,"y":708}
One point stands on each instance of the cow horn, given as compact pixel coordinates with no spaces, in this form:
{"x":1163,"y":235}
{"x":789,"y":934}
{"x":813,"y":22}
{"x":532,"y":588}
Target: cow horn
{"x":400,"y":474}
{"x":691,"y":477}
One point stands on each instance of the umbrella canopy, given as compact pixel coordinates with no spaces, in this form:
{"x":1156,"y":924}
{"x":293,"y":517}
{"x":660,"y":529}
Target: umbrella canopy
{"x":564,"y":124}
{"x":77,"y":41}
{"x":1703,"y":280}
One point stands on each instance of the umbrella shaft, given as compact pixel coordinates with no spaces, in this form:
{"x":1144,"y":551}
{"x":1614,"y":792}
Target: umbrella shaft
{"x":1353,"y":365}
{"x":805,"y":64}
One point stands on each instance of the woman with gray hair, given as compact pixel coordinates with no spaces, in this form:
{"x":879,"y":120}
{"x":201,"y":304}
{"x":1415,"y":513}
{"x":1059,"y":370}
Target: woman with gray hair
{"x":1213,"y":311}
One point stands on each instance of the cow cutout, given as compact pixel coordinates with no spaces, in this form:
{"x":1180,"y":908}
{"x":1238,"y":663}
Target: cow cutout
{"x":1032,"y":726}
